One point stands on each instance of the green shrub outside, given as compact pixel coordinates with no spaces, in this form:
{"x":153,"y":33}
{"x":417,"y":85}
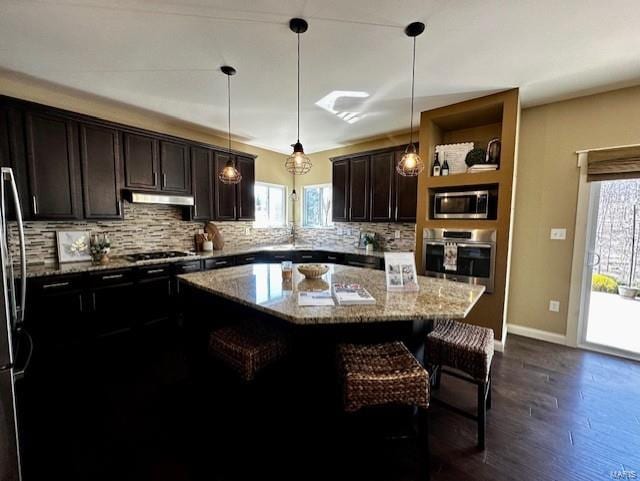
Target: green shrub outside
{"x":604,"y":283}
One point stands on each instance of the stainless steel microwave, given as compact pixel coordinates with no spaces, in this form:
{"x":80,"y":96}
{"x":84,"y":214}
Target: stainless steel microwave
{"x":477,"y":204}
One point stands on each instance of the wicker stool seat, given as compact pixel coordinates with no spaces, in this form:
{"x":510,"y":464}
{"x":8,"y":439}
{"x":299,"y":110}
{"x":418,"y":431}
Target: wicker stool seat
{"x":462,"y":346}
{"x":381,"y":374}
{"x":247,"y":348}
{"x":469,"y":349}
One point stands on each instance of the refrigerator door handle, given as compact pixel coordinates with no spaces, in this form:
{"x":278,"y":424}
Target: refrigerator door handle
{"x":18,"y":373}
{"x":7,"y":174}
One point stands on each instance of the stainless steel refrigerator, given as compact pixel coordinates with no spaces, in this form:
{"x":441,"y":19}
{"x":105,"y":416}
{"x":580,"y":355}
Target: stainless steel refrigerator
{"x":15,"y":344}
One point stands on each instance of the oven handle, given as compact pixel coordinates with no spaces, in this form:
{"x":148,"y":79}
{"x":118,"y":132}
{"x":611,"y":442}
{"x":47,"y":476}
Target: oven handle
{"x":459,"y":244}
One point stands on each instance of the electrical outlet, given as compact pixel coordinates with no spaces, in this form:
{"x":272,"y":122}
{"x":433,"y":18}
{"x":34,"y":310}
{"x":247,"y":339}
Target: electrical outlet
{"x":558,"y":234}
{"x":247,"y":231}
{"x":554,"y":306}
{"x":397,"y":234}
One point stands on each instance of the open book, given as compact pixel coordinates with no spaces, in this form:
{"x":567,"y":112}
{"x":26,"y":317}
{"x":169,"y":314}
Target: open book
{"x":351,"y":294}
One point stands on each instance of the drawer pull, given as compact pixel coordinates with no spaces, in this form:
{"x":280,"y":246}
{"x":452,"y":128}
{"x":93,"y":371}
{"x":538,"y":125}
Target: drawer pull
{"x":112,"y":276}
{"x":221,"y":263}
{"x":332,"y":258}
{"x":190,"y":268}
{"x":249,"y":258}
{"x":54,"y":285}
{"x":307,"y":257}
{"x":155,"y":271}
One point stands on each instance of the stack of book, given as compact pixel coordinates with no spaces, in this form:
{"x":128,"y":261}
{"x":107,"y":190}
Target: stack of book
{"x":351,"y":294}
{"x":482,"y":168}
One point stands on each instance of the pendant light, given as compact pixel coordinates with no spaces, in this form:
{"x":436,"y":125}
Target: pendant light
{"x":411,"y":164}
{"x":229,"y":174}
{"x":298,"y":163}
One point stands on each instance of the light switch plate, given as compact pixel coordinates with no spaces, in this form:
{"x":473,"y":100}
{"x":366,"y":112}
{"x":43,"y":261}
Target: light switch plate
{"x":558,"y":234}
{"x":554,"y":306}
{"x":397,"y":234}
{"x":247,"y":231}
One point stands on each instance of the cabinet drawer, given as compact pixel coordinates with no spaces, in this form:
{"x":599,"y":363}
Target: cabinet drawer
{"x":108,"y":278}
{"x":247,"y":259}
{"x":186,"y":267}
{"x":50,"y":285}
{"x":368,"y":262}
{"x":334,"y":258}
{"x":218,"y":263}
{"x":308,"y":256}
{"x":149,"y":272}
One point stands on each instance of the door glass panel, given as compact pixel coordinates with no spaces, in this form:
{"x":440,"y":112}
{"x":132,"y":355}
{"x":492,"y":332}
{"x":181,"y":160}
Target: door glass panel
{"x":613,"y":308}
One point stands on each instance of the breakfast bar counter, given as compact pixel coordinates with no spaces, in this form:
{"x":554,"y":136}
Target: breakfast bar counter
{"x":261,"y":287}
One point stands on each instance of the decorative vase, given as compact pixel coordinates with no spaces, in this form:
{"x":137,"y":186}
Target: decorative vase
{"x":104,"y":259}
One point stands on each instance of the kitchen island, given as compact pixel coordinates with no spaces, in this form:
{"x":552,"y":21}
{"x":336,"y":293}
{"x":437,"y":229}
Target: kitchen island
{"x":261,"y":287}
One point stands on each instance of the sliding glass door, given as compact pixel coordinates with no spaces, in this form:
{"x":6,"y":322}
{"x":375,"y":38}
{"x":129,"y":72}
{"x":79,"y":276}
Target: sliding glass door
{"x":610,"y":310}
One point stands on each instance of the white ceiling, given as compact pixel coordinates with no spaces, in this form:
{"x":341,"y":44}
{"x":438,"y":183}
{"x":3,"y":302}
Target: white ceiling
{"x":164,"y":56}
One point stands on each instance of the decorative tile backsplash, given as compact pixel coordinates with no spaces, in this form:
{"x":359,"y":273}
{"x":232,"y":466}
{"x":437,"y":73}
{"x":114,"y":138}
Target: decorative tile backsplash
{"x":161,"y":227}
{"x":348,"y":234}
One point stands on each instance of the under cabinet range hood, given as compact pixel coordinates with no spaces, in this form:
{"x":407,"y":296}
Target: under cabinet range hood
{"x":153,"y":198}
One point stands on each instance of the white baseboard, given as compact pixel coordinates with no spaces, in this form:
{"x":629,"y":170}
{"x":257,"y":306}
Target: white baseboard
{"x":537,"y":334}
{"x":498,"y":346}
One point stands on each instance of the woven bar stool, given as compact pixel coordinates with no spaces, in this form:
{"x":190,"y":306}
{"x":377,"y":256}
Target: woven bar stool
{"x":383,"y":375}
{"x":248,"y":347}
{"x":469,"y":350}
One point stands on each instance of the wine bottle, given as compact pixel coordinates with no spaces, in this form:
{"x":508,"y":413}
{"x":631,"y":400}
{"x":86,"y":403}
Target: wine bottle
{"x":445,"y":166}
{"x":436,"y":166}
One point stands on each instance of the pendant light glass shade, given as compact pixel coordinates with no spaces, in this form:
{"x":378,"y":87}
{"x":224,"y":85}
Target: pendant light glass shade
{"x":229,"y":174}
{"x":298,"y":163}
{"x":411,"y":164}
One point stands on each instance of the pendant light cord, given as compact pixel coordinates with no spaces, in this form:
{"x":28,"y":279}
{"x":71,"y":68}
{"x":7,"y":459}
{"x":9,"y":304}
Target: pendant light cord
{"x":413,"y":82}
{"x":229,"y":111}
{"x":298,"y":87}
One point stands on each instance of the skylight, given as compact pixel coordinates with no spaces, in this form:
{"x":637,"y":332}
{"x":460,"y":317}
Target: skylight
{"x":342,"y":104}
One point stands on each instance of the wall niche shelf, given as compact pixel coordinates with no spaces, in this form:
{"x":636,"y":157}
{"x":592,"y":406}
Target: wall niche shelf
{"x":478,"y":120}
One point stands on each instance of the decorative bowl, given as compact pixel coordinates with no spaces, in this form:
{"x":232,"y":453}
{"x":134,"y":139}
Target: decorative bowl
{"x":313,"y":271}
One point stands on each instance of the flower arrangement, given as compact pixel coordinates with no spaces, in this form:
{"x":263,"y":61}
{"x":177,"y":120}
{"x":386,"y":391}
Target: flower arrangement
{"x":100,"y":248}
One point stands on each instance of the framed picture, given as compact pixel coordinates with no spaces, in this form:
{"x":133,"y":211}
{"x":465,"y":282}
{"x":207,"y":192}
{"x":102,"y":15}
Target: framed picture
{"x":73,"y":246}
{"x":400,"y":268}
{"x":363,"y":234}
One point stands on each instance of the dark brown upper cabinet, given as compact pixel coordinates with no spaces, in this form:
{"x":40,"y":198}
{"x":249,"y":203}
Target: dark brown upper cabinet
{"x":367,"y":188}
{"x":101,"y":172}
{"x":382,"y":183}
{"x":340,"y":190}
{"x":405,"y":194}
{"x":54,"y":171}
{"x":246,"y":201}
{"x":225,"y":194}
{"x":175,"y":167}
{"x":359,"y":189}
{"x":202,"y":173}
{"x":141,"y":162}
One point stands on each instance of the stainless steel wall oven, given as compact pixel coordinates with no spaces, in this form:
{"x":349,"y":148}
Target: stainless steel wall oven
{"x":460,"y":255}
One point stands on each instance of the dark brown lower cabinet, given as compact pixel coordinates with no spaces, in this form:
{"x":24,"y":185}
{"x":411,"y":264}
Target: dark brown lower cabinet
{"x":153,"y":300}
{"x":107,"y":304}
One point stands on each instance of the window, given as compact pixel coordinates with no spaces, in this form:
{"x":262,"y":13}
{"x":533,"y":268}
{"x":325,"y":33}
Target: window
{"x":316,"y":206}
{"x":270,"y":205}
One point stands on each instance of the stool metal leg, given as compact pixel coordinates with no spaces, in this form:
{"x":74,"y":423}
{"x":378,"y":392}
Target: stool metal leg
{"x":482,"y":413}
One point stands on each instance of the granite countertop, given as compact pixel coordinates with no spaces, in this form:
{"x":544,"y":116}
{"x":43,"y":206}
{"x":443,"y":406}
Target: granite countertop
{"x":260,"y":286}
{"x":53,"y":269}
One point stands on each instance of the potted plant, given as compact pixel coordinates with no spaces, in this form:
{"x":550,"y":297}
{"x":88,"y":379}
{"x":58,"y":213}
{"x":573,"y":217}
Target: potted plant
{"x":370,"y":243}
{"x":627,"y":290}
{"x":100,"y":248}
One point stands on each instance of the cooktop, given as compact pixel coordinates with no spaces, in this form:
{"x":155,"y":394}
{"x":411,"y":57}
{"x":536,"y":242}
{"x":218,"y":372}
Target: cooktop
{"x":148,"y":256}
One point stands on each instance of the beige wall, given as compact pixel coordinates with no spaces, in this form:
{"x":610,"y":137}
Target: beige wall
{"x":269,"y":164}
{"x":546,"y":196}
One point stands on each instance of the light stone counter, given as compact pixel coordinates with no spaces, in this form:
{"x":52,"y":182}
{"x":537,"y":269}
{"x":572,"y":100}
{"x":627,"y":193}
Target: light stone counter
{"x":260,"y":286}
{"x":44,"y":270}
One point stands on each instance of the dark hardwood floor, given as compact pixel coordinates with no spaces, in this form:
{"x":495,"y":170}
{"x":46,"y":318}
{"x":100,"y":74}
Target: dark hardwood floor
{"x":132,"y":409}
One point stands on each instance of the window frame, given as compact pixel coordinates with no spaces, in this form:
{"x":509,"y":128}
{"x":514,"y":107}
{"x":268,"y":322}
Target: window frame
{"x":325,"y":185}
{"x":285,"y":196}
